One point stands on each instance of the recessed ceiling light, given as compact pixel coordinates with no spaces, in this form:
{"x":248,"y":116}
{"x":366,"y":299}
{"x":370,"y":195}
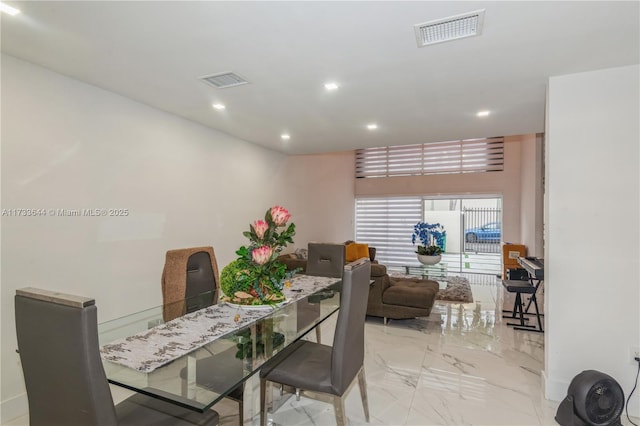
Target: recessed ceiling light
{"x":285,"y":136}
{"x":331,"y":86}
{"x":219,"y":106}
{"x":8,"y":9}
{"x":372,"y":126}
{"x":483,"y":113}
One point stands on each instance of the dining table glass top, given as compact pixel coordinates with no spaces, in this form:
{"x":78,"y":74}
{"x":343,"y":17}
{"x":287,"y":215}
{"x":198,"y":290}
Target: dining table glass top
{"x":198,"y":358}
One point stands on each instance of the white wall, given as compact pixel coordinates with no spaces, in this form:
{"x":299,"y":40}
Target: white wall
{"x":69,"y":145}
{"x":531,"y":198}
{"x":322,"y":187}
{"x":592,"y":288}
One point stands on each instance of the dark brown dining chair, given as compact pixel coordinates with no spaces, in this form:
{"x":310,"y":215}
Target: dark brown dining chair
{"x":328,"y":371}
{"x":63,"y":373}
{"x":190,"y":281}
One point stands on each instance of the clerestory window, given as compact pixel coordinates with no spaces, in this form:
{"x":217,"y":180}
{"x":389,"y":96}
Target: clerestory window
{"x":463,"y":156}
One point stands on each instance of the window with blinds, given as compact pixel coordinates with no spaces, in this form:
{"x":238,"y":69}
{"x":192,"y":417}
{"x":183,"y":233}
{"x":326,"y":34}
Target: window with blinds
{"x":387,"y":224}
{"x":465,"y":156}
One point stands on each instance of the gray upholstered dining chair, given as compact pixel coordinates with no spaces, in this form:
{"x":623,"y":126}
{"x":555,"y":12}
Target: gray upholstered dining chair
{"x":328,"y":371}
{"x":64,"y":377}
{"x":190,"y":281}
{"x":324,"y":260}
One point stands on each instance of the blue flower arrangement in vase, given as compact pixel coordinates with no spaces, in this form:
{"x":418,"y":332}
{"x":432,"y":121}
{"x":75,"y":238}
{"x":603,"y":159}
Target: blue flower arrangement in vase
{"x":431,"y":237}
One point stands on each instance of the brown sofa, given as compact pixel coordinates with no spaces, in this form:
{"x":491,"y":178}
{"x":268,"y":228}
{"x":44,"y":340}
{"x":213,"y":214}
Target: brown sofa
{"x":401,"y":298}
{"x":395,"y":298}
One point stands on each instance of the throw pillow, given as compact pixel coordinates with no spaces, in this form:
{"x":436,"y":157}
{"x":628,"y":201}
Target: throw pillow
{"x":302,"y":253}
{"x":355,"y":251}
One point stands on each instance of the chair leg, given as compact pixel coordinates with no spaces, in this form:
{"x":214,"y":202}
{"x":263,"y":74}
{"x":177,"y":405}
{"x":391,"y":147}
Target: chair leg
{"x":263,"y":405}
{"x":338,"y":406}
{"x":241,"y":410}
{"x":362,"y":382}
{"x":384,"y":321}
{"x":535,"y":304}
{"x":318,"y":335}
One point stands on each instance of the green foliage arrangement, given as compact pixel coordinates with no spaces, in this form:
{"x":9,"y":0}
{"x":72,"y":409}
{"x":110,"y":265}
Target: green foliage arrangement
{"x":245,"y":343}
{"x":256,"y":277}
{"x":231,"y":277}
{"x":429,"y":251}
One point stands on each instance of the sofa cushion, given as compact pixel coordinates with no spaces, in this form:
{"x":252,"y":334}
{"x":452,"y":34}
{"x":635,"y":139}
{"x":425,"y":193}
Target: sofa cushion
{"x":372,"y":250}
{"x":378,"y":270}
{"x":372,"y":254}
{"x":413,"y":296}
{"x":355,"y":251}
{"x":302,"y":253}
{"x":414,"y":282}
{"x":291,"y":262}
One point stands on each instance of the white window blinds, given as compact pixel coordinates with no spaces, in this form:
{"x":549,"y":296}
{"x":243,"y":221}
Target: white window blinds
{"x":387,"y":225}
{"x":465,"y":156}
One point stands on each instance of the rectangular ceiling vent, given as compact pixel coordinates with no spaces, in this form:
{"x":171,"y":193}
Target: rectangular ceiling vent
{"x":451,"y":28}
{"x":224,"y":80}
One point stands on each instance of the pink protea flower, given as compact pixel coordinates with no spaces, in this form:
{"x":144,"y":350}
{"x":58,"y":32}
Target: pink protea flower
{"x":261,"y":255}
{"x":280,"y":215}
{"x":260,"y":227}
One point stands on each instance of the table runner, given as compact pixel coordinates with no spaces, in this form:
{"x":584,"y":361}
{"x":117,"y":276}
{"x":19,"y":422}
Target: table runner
{"x":153,"y":348}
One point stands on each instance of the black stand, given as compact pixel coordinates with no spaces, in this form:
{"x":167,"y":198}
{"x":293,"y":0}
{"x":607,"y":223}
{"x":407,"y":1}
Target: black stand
{"x":518,"y":312}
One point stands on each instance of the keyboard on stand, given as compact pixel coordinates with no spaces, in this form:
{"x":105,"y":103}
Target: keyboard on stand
{"x":535,"y":270}
{"x":534,"y":266}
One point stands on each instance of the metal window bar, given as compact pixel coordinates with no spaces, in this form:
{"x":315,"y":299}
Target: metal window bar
{"x":386,"y":223}
{"x":482,"y":230}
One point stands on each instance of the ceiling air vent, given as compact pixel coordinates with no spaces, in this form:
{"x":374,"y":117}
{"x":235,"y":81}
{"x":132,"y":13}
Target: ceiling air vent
{"x":451,"y":28}
{"x":224,"y":80}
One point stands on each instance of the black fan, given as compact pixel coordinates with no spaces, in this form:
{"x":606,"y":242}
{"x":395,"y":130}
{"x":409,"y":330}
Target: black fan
{"x":593,"y":398}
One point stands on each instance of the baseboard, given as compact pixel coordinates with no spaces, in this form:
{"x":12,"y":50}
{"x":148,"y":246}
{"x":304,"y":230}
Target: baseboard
{"x":554,"y":390}
{"x":13,"y":408}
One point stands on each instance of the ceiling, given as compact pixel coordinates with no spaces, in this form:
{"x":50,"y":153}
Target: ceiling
{"x":155,"y":52}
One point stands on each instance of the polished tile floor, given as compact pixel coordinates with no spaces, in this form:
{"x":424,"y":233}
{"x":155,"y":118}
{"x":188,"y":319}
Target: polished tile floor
{"x":460,"y":366}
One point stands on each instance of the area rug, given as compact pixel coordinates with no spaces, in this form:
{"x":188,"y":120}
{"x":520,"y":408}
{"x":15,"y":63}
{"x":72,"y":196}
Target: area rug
{"x":458,"y":288}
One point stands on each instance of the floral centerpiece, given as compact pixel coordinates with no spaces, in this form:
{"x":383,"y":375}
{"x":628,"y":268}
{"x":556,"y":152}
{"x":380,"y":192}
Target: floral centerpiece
{"x":431,"y":236}
{"x":256,"y":277}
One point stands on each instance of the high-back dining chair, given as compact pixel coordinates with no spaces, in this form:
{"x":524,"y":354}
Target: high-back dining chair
{"x":324,"y":370}
{"x":324,"y":260}
{"x":64,"y":377}
{"x":187,"y":274}
{"x":190,"y":281}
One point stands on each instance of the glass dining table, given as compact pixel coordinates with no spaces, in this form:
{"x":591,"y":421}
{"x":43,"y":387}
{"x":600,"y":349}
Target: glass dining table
{"x":156,"y":355}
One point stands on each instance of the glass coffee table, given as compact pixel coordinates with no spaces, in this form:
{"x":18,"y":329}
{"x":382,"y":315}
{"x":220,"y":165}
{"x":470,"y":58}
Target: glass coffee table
{"x":438,"y":270}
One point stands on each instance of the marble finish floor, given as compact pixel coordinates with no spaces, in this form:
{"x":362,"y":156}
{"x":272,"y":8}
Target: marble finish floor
{"x":459,"y":366}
